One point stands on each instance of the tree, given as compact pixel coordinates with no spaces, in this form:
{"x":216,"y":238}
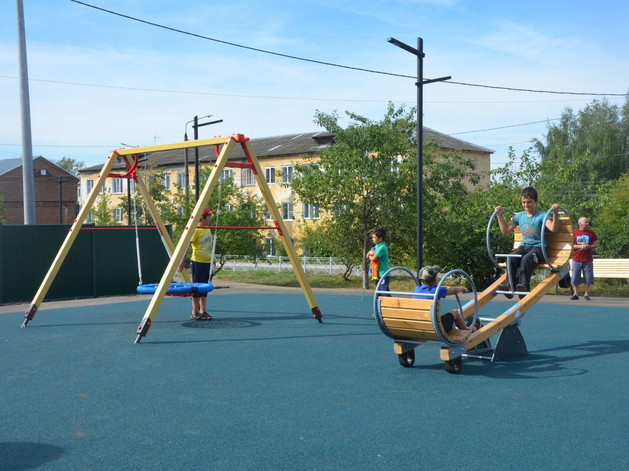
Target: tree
{"x":102,"y":213}
{"x":234,"y":206}
{"x":614,"y":220}
{"x":361,"y":182}
{"x":69,"y":165}
{"x":598,"y":135}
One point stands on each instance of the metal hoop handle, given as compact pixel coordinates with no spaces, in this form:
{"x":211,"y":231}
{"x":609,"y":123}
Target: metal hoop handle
{"x":433,"y":310}
{"x":491,"y":220}
{"x":548,"y":213}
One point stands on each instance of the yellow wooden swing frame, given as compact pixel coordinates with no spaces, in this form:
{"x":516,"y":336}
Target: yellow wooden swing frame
{"x":177,"y":252}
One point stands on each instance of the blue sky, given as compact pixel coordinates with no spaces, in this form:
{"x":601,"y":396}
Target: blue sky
{"x":98,"y":80}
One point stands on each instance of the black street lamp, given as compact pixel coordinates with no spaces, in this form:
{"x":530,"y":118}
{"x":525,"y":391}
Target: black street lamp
{"x":419,"y":52}
{"x":196,"y":127}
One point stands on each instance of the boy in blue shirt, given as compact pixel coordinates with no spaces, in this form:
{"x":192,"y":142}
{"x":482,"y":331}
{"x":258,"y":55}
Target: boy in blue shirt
{"x":380,"y":254}
{"x":427,"y":290}
{"x":530,"y":221}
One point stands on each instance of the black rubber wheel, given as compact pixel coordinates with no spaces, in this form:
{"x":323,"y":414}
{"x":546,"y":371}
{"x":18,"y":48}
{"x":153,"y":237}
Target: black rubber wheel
{"x":454,"y":366}
{"x":407,"y":359}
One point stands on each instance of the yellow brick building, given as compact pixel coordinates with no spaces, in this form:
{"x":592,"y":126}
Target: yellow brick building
{"x":277,"y":156}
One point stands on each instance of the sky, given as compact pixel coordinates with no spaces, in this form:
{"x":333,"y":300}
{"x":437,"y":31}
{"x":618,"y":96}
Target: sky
{"x":98,"y":81}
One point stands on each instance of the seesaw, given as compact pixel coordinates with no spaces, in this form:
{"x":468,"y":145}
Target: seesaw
{"x":413,"y":322}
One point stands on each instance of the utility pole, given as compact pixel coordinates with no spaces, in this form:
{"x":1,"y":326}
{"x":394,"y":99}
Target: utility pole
{"x":419,"y":52}
{"x":196,"y":127}
{"x":28,"y":178}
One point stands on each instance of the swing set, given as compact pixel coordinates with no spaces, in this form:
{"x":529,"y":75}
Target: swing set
{"x":176,"y":253}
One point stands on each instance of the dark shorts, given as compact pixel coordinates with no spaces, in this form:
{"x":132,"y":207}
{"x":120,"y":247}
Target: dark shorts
{"x":200,"y":274}
{"x":447,"y":321}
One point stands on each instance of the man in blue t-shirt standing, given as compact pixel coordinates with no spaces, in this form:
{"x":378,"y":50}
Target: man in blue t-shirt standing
{"x":530,"y":221}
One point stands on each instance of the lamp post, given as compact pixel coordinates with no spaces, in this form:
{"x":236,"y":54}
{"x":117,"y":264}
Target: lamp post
{"x":419,"y":52}
{"x":196,"y":127}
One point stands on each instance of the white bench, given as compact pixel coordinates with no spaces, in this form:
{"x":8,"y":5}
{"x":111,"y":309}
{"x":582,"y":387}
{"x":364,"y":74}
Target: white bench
{"x":610,"y":268}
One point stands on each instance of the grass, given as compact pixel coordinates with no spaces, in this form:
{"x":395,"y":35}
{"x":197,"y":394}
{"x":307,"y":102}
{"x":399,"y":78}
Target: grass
{"x":602,"y":287}
{"x":288,"y":278}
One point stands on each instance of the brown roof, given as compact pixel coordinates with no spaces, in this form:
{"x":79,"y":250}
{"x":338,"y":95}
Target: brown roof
{"x":276,"y":146}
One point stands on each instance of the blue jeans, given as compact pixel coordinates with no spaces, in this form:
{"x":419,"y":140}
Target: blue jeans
{"x":384,"y":285}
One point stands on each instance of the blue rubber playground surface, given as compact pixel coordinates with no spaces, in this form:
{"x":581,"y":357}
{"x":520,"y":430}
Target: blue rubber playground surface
{"x":266,"y":387}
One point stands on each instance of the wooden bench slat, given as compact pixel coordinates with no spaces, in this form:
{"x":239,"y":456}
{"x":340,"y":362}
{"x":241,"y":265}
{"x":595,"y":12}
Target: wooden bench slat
{"x":420,"y":326}
{"x":610,"y":268}
{"x":409,"y":303}
{"x":413,"y":334}
{"x":410,"y":314}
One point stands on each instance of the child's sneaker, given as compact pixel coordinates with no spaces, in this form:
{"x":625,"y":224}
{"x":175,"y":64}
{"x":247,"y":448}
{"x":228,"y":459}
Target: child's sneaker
{"x":504,"y":288}
{"x":521,"y":289}
{"x":587,"y":298}
{"x":575,"y":297}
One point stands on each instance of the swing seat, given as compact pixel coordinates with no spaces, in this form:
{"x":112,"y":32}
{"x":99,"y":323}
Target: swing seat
{"x":178,"y":289}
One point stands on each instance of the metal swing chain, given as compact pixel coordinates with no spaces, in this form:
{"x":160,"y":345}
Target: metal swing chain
{"x":137,"y":236}
{"x":218,"y":206}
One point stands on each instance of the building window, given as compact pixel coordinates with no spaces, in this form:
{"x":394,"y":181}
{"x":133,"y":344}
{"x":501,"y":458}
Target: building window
{"x":180,"y":211}
{"x":181,"y":180}
{"x":227,"y":174}
{"x":229,"y":207}
{"x":267,"y":216}
{"x":247,"y":177}
{"x":90,"y":217}
{"x":311,"y":211}
{"x":89,"y":185}
{"x":269,"y":247}
{"x":117,"y":214}
{"x":166,"y":181}
{"x":116,"y":185}
{"x":269,"y":173}
{"x":287,"y":174}
{"x":287,"y":211}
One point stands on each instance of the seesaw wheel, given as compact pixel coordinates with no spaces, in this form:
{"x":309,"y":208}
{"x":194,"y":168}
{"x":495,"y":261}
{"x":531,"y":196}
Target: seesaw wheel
{"x":407,"y":359}
{"x":454,"y":366}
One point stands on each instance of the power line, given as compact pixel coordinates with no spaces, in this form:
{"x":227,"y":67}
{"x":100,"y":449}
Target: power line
{"x":331,"y":64}
{"x":503,"y":127}
{"x":183,"y":92}
{"x":272,"y":97}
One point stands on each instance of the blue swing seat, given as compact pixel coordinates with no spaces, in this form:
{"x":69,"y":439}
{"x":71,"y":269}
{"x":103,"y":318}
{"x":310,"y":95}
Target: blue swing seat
{"x":178,"y":289}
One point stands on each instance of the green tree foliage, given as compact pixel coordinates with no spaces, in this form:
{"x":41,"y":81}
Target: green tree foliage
{"x":368,"y":179}
{"x":596,"y":140}
{"x":69,"y":165}
{"x":363,"y":181}
{"x":613,"y":223}
{"x":101,"y":212}
{"x":237,"y":208}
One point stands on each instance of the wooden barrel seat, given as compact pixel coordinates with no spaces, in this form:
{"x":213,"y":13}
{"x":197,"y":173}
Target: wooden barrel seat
{"x":410,"y":319}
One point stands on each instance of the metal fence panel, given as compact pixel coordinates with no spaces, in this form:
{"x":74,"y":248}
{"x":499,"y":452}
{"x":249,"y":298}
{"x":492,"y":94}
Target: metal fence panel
{"x":101,"y":262}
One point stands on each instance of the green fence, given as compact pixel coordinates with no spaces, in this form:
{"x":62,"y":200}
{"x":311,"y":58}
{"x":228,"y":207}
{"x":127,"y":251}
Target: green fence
{"x":101,"y":262}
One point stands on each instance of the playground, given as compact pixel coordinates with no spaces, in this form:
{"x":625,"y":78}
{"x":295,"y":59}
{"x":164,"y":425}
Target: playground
{"x":263,"y":386}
